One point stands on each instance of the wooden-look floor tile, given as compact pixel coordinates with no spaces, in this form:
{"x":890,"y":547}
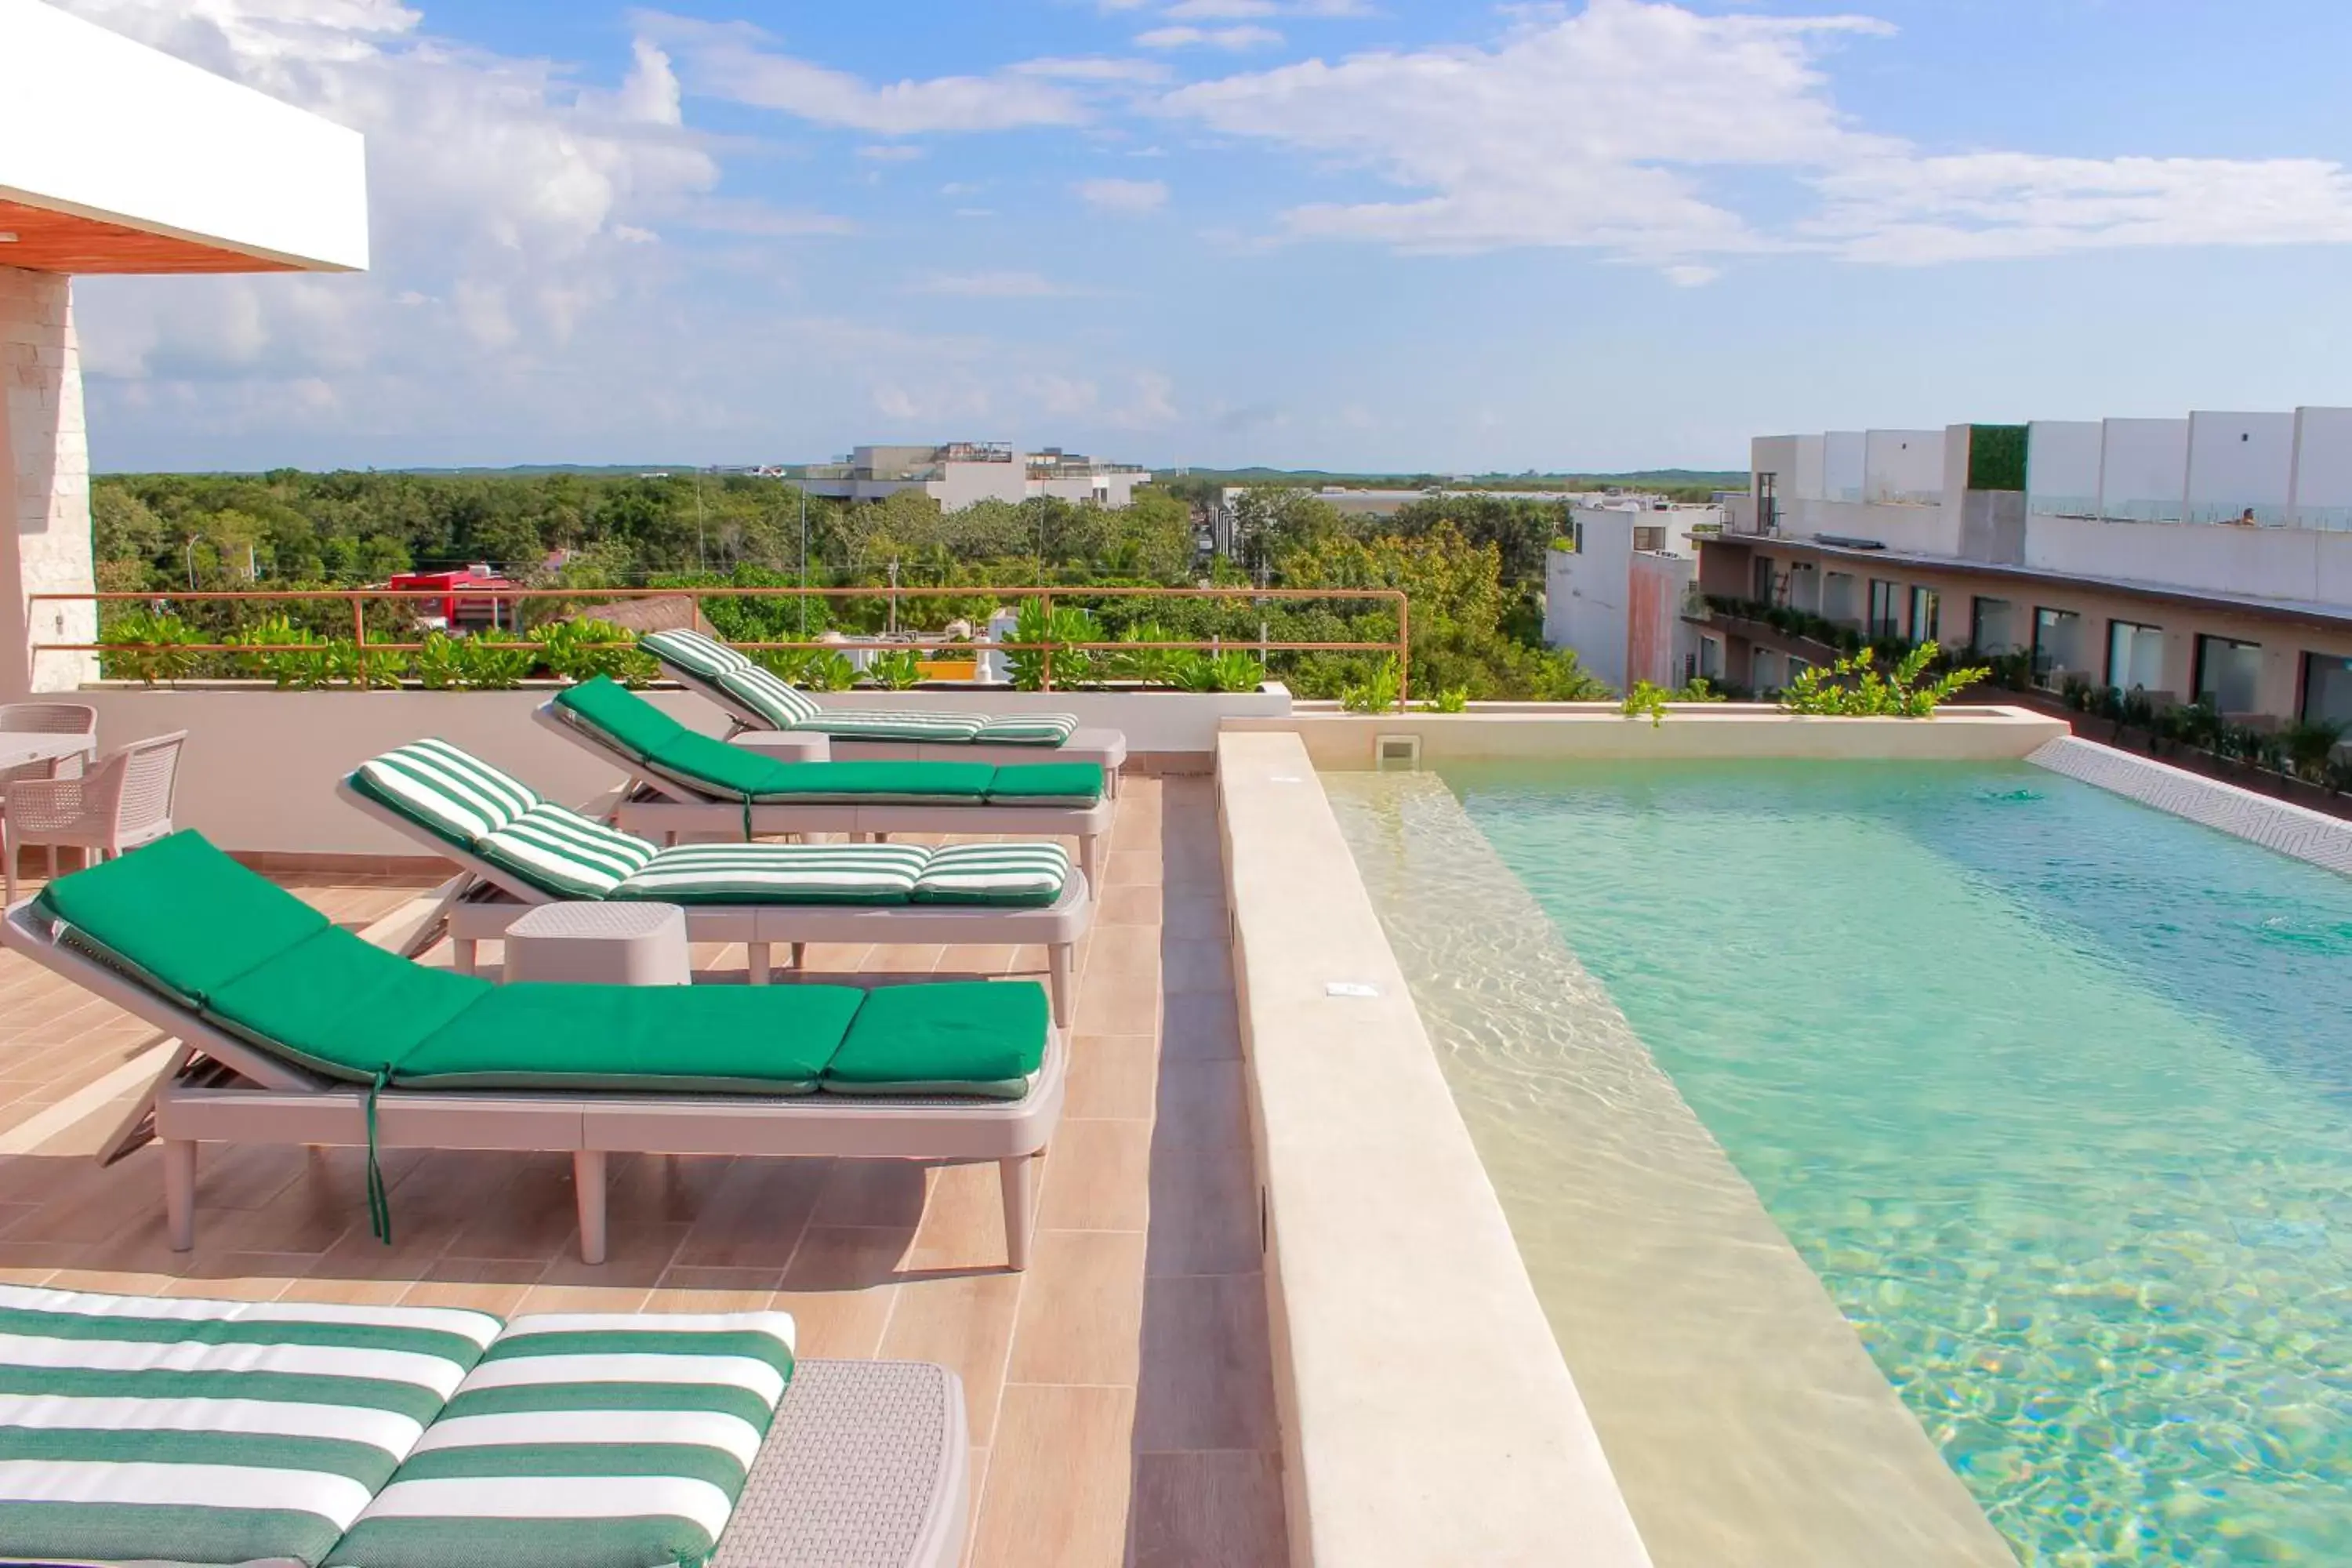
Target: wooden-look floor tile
{"x":1127,"y":950}
{"x":479,"y":1285}
{"x":1202,"y":1103}
{"x":1117,"y":1002}
{"x":1215,"y":1510}
{"x":1189,"y":965}
{"x":1097,"y":1177}
{"x":840,"y":1290}
{"x":963,"y":1222}
{"x":1205,"y":1212}
{"x":1207,"y":1378}
{"x":1200,"y":1024}
{"x":1059,"y":1473}
{"x":1129,"y":867}
{"x":887,"y":1194}
{"x":1134,"y":903}
{"x":754,"y":1217}
{"x":1195,"y":916}
{"x":1112,"y":1075}
{"x":1081,"y":1310}
{"x":965,"y":1323}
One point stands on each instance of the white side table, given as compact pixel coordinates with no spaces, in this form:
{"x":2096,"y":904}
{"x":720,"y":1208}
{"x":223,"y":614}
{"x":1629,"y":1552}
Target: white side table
{"x":788,"y":746}
{"x":601,"y":945}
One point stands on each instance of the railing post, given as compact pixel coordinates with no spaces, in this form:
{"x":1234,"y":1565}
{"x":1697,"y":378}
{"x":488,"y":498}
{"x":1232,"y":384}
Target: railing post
{"x":1045,"y":664}
{"x":359,"y":638}
{"x":1405,"y":654}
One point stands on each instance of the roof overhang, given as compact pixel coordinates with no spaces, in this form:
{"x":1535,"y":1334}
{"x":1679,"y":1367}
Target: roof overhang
{"x":117,"y":158}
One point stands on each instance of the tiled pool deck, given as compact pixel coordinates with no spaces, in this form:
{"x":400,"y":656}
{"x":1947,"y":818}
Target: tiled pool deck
{"x":1121,"y":1393}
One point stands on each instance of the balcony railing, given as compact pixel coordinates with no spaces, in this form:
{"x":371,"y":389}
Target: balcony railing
{"x":358,"y":600}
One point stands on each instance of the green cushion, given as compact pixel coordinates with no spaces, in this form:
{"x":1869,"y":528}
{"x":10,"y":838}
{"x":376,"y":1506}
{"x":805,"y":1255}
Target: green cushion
{"x":1047,"y":783}
{"x":561,"y":852}
{"x":632,"y":723}
{"x":691,"y":651}
{"x":1003,"y":875}
{"x":1028,"y":730}
{"x":905,"y":725}
{"x":768,"y":695}
{"x":779,"y":874}
{"x":455,"y":795}
{"x":343,"y":1007}
{"x":978,"y":1036}
{"x":738,"y":1040}
{"x":701,"y":763}
{"x":877,"y":782}
{"x":180,"y":915}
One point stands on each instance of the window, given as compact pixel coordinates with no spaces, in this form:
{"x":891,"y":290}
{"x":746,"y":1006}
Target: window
{"x":1761,"y":588}
{"x":2134,"y":656}
{"x":1710,"y":658}
{"x":1837,"y":597}
{"x":2057,"y":646}
{"x":1761,"y":669}
{"x":1926,"y":614}
{"x":2228,"y":674}
{"x":1650,"y":539}
{"x":2326,"y":689}
{"x":1993,"y":627}
{"x":1885,"y":609}
{"x":1767,"y":503}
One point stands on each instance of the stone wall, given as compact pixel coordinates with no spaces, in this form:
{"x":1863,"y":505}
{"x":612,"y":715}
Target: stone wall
{"x":45,"y":475}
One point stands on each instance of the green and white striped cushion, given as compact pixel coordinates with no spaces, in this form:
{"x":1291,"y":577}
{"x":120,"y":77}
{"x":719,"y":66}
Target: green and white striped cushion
{"x":1028,"y":730}
{"x":994,"y":874}
{"x":780,"y":874}
{"x":457,"y":795}
{"x":693,"y":653}
{"x":877,"y":724}
{"x":586,"y":1441}
{"x":768,"y":695}
{"x":152,"y":1431}
{"x":558,"y":851}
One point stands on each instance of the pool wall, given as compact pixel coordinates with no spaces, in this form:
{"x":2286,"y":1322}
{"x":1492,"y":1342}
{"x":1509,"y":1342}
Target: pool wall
{"x":1689,"y":731}
{"x":2277,"y":824}
{"x":1428,"y":1417}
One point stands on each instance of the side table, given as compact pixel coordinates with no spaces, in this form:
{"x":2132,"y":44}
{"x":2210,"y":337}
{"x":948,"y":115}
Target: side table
{"x":600,"y":943}
{"x":788,"y":746}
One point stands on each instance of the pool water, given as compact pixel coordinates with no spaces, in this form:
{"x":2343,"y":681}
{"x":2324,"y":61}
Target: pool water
{"x":2051,"y":1091}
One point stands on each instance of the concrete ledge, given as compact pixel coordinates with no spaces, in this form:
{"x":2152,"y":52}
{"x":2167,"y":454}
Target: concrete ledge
{"x":1428,"y":1417}
{"x":1689,"y":732}
{"x":2279,"y":825}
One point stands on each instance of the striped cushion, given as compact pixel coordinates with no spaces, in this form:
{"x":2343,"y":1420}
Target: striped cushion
{"x":586,"y":1441}
{"x":693,"y":653}
{"x":994,"y":874}
{"x":780,"y":874}
{"x":457,"y":795}
{"x":769,"y":696}
{"x":944,"y":729}
{"x":137,"y":1430}
{"x":1028,"y":730}
{"x":563,"y":853}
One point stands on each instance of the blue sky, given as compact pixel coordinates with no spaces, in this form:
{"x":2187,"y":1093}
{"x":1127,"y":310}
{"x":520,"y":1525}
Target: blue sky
{"x":1357,"y":234}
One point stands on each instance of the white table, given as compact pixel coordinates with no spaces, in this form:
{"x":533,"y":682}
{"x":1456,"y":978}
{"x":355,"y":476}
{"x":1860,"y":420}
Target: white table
{"x":788,"y":746}
{"x":600,"y":944}
{"x":18,"y":747}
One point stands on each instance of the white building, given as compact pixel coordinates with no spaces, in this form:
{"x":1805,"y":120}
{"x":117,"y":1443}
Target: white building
{"x":2209,"y":556}
{"x":115,"y":158}
{"x":962,"y":472}
{"x":1616,"y":588}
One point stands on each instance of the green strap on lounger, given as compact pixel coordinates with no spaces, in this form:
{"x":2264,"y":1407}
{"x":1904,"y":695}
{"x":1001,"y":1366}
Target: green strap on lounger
{"x":379,"y":1201}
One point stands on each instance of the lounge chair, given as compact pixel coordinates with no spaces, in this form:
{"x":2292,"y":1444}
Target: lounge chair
{"x":522,"y":850}
{"x":140,"y":1430}
{"x":683,"y":782}
{"x":293,"y":1030}
{"x":757,"y":699}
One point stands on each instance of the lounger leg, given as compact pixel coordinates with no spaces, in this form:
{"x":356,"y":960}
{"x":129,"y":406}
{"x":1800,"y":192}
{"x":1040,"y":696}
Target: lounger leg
{"x":799,"y":955}
{"x":758,"y":955}
{"x":465,"y":954}
{"x":1090,"y":861}
{"x":588,"y":1175}
{"x":1019,"y":1178}
{"x":1059,"y":956}
{"x":179,"y":1192}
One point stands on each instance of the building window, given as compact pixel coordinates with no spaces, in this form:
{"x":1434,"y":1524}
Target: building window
{"x":1992,"y":626}
{"x":1926,"y":614}
{"x":1761,"y":583}
{"x":2228,"y":674}
{"x":2057,"y":646}
{"x":1710,"y":659}
{"x":1760,"y":671}
{"x":2326,"y":689}
{"x":1767,"y":503}
{"x":2134,"y":656}
{"x":1651,"y":539}
{"x":1885,"y":609}
{"x":1837,"y":598}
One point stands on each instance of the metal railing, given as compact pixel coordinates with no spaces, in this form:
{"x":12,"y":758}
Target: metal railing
{"x":358,"y":600}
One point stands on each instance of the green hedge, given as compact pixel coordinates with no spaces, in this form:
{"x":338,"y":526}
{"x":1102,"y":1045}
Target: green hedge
{"x":1996,"y":457}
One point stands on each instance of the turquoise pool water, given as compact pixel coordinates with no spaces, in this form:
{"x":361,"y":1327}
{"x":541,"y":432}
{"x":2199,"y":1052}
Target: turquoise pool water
{"x":2054,"y":1091}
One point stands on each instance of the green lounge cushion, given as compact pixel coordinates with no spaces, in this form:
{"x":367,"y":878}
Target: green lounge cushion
{"x":562,"y":852}
{"x":691,"y":651}
{"x":910,"y":725}
{"x":632,"y":724}
{"x":798,"y":783}
{"x":979,"y":1037}
{"x":586,"y":1441}
{"x":1002,"y":875}
{"x":1047,"y":783}
{"x":195,"y":1432}
{"x":180,"y":915}
{"x":770,"y":696}
{"x":699,"y":762}
{"x":674,"y":1040}
{"x":780,"y":874}
{"x":457,"y":796}
{"x":343,"y":1007}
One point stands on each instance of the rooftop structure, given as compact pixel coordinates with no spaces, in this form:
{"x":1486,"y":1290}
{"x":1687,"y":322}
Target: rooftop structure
{"x":1615,"y":586}
{"x":960,"y":472}
{"x":2203,"y":558}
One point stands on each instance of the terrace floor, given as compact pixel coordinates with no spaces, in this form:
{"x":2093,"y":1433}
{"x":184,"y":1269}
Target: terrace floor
{"x":1120,"y":1390}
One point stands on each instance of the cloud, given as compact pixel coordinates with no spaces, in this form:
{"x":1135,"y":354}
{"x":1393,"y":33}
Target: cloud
{"x":1234,"y":39}
{"x":1133,"y":198}
{"x":1668,"y":105}
{"x":991,"y":286}
{"x":732,"y":61}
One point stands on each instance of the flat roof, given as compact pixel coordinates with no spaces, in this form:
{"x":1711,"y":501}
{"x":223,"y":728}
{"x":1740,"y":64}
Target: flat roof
{"x":115,"y":157}
{"x":2315,"y":611}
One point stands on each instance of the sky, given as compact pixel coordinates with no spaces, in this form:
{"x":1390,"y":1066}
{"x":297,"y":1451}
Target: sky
{"x":1368,"y":234}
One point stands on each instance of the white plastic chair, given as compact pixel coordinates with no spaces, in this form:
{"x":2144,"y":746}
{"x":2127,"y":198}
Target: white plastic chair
{"x":46,"y":718}
{"x":125,"y":801}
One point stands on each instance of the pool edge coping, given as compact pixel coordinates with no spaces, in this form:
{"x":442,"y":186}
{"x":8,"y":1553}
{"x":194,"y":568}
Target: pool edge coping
{"x":2279,"y":826}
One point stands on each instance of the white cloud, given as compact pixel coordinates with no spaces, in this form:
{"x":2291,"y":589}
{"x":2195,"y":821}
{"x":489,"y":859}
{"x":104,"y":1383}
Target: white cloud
{"x":890,"y":152}
{"x":991,"y":286}
{"x":1234,"y":39}
{"x":1609,"y":128}
{"x":1133,"y":197}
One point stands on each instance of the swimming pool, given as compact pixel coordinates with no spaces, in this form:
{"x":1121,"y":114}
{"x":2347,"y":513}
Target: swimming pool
{"x":2053,"y":1093}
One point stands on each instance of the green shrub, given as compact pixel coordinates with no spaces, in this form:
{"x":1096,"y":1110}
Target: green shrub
{"x":491,"y":661}
{"x":1452,"y":700}
{"x":1854,"y":687}
{"x":1378,"y":693}
{"x":582,"y":649}
{"x":1647,"y":700}
{"x":440,"y":663}
{"x":2310,"y":744}
{"x":896,"y":669}
{"x":164,"y":656}
{"x":1065,"y":625}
